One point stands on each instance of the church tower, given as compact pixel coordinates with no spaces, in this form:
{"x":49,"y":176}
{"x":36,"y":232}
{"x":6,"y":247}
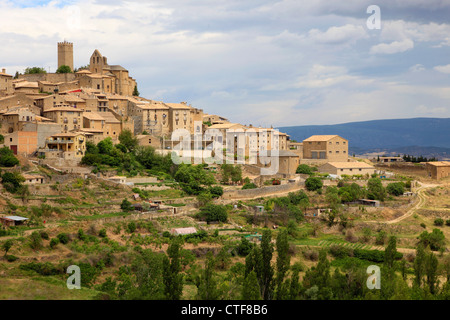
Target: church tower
{"x":65,"y":54}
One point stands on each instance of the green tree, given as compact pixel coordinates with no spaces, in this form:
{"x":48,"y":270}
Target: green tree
{"x":283,"y":260}
{"x":126,"y":206}
{"x":431,"y":271}
{"x":136,"y":92}
{"x":35,"y":241}
{"x":127,"y":138}
{"x":207,"y":285}
{"x":375,"y":189}
{"x":7,"y":245}
{"x":313,"y":184}
{"x":390,"y":252}
{"x":435,"y":240}
{"x":105,"y":146}
{"x":396,"y":188}
{"x":213,"y":212}
{"x":172,"y":276}
{"x":304,"y":169}
{"x":250,"y":288}
{"x":267,"y":272}
{"x":34,"y":70}
{"x":64,"y":69}
{"x":12,"y":181}
{"x":419,"y":265}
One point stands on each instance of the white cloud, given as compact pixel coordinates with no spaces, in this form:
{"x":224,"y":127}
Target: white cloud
{"x":443,"y":69}
{"x":393,"y":47}
{"x":417,"y":68}
{"x":338,"y":35}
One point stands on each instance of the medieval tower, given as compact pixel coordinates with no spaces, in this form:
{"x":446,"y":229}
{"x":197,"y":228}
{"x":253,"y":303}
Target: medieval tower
{"x":65,"y":54}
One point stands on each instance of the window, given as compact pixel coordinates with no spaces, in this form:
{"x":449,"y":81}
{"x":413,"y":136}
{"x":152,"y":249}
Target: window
{"x":150,"y":141}
{"x":337,"y":151}
{"x":337,"y":143}
{"x":10,"y":139}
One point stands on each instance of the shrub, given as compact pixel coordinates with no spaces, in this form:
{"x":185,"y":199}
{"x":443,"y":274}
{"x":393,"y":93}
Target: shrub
{"x":423,"y":225}
{"x":380,"y":240}
{"x":102,"y":233}
{"x":304,"y":169}
{"x":35,"y":241}
{"x":63,"y":238}
{"x":216,"y":191}
{"x":310,"y":254}
{"x":340,"y":252}
{"x":126,"y":206}
{"x":11,"y":258}
{"x":439,"y":222}
{"x":54,"y":242}
{"x":396,"y":188}
{"x":435,"y":239}
{"x":131,"y":227}
{"x":212,"y":212}
{"x":313,"y":184}
{"x":244,"y":247}
{"x":447,"y":222}
{"x":249,"y":186}
{"x":44,"y":235}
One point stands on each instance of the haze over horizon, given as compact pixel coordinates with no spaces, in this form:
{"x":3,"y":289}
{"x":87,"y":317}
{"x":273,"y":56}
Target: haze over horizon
{"x":281,"y":63}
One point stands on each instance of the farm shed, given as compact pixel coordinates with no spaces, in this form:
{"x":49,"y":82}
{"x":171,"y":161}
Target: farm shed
{"x":183,"y":231}
{"x":12,"y":221}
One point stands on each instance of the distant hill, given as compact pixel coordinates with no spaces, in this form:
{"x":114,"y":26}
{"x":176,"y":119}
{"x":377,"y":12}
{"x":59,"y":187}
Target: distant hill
{"x":431,"y":136}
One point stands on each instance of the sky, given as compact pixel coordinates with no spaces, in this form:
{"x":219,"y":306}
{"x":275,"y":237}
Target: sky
{"x":260,"y":62}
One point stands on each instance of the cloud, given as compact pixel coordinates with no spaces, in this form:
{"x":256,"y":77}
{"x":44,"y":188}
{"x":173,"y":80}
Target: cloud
{"x":417,"y":68}
{"x":443,"y":69}
{"x":393,"y":47}
{"x":339,"y":35}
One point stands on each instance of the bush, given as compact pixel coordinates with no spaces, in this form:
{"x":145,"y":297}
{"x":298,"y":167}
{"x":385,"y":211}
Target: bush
{"x":131,"y":227}
{"x":126,"y":206}
{"x":35,"y":241}
{"x":249,"y":186}
{"x":216,"y":191}
{"x":244,"y":247}
{"x":447,"y":222}
{"x":44,"y":235}
{"x":439,"y":222}
{"x":11,"y":258}
{"x":396,"y":188}
{"x":310,"y":254}
{"x":423,"y":225}
{"x":54,"y":242}
{"x":313,"y":184}
{"x":63,"y":238}
{"x":102,"y":233}
{"x":304,"y":169}
{"x":212,"y":212}
{"x":340,"y":252}
{"x":435,"y":239}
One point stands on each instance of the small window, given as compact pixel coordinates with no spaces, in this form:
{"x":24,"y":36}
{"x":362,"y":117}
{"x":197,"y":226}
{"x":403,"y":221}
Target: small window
{"x":10,"y":139}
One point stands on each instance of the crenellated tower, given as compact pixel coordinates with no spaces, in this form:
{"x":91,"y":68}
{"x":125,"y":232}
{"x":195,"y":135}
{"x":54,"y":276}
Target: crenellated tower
{"x":65,"y":54}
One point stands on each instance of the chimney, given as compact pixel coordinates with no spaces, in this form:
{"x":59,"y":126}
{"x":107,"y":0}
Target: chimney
{"x":3,"y":70}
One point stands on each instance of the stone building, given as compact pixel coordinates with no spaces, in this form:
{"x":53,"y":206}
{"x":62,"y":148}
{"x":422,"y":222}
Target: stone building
{"x":69,"y":117}
{"x":347,"y":168}
{"x":120,"y":82}
{"x":327,"y":148}
{"x":65,"y":54}
{"x":6,"y":85}
{"x":438,"y":169}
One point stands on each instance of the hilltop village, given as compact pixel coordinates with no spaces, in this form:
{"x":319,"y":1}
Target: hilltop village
{"x":88,"y":179}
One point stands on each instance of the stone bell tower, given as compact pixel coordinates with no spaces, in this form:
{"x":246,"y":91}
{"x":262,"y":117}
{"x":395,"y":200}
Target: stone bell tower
{"x":65,"y":54}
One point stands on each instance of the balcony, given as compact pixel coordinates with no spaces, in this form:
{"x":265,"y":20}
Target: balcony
{"x":59,"y":141}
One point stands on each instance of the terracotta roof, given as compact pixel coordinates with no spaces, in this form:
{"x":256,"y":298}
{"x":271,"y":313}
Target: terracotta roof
{"x":178,"y":106}
{"x":321,"y":137}
{"x":93,"y":116}
{"x":350,"y":165}
{"x":85,"y":71}
{"x":67,"y":108}
{"x":226,"y":126}
{"x":68,"y":134}
{"x":439,"y":163}
{"x":5,"y":74}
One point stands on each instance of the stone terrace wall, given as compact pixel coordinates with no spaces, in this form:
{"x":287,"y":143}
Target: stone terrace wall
{"x":262,"y":192}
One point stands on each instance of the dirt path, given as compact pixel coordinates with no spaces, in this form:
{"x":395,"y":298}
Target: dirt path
{"x":422,"y":200}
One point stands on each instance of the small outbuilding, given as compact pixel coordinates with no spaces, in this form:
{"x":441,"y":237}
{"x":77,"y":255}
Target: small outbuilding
{"x":183,"y":231}
{"x":12,"y":221}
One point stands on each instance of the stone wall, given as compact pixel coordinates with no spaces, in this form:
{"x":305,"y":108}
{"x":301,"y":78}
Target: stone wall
{"x":262,"y":192}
